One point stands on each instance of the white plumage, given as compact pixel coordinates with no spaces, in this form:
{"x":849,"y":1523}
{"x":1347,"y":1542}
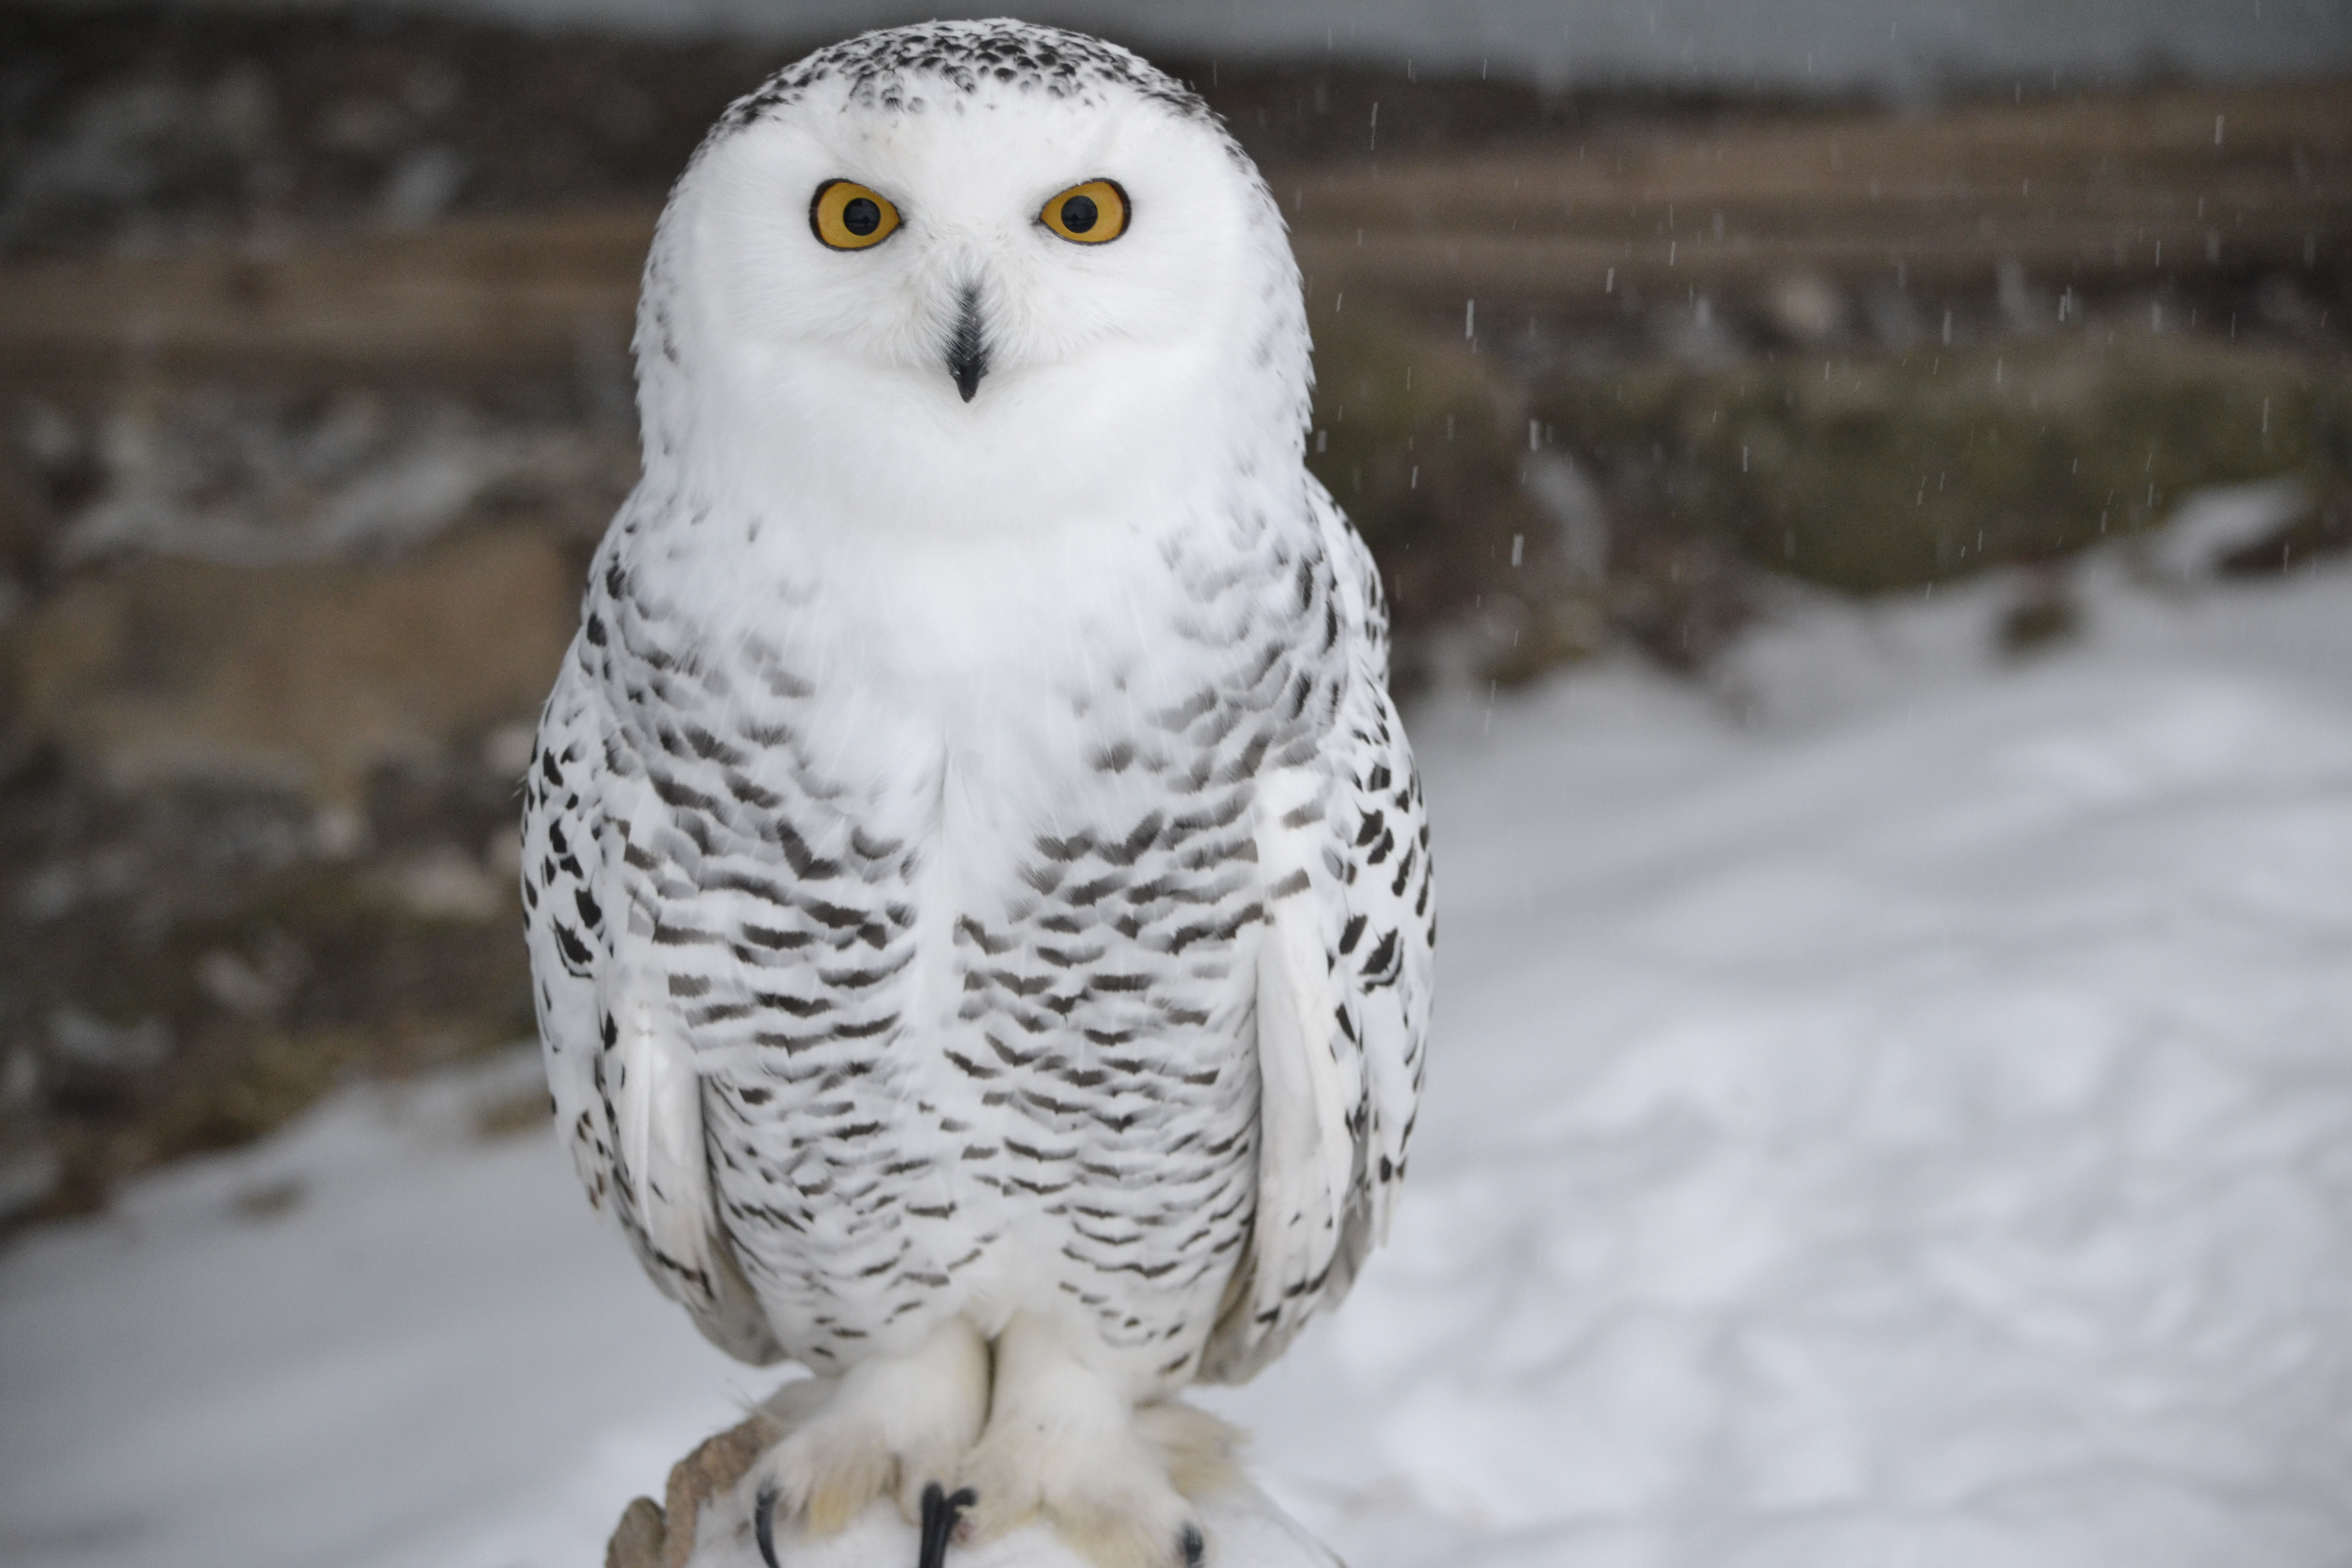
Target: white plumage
{"x":978,"y":887}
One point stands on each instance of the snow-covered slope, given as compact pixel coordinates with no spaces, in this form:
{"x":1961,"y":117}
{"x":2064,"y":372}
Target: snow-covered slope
{"x":1897,"y":1107}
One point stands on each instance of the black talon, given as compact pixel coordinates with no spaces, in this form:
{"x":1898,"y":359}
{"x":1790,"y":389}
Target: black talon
{"x":763,"y":1522}
{"x":1196,"y":1550}
{"x":940,"y":1510}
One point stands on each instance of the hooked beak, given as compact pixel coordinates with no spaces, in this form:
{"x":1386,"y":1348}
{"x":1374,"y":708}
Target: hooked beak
{"x":967,"y":354}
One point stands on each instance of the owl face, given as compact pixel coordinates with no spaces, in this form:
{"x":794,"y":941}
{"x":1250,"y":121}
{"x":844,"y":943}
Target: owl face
{"x":955,"y":288}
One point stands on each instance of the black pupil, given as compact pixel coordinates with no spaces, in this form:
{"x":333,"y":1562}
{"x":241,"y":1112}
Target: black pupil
{"x":862,"y":217}
{"x":1078,"y":214}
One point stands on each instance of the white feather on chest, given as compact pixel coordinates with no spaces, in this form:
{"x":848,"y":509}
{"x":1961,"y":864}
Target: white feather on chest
{"x":972,"y":699}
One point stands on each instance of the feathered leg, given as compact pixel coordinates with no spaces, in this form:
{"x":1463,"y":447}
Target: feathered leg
{"x":1065,"y":1440}
{"x":899,"y":1425}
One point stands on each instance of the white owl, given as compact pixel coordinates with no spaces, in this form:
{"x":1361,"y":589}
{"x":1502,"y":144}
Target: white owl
{"x":978,"y":891}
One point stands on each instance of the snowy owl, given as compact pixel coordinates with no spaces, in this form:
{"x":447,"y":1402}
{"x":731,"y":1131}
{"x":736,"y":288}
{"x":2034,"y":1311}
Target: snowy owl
{"x":978,"y":887}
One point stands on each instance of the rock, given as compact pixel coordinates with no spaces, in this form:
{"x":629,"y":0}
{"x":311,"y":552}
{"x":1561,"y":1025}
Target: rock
{"x":240,"y":986}
{"x":446,"y":884}
{"x":706,"y":1521}
{"x":82,"y":1043}
{"x":304,"y":677}
{"x":1806,"y":307}
{"x":2212,"y":525}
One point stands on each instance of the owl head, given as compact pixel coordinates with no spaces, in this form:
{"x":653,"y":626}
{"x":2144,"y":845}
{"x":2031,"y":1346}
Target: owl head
{"x":968,"y":271}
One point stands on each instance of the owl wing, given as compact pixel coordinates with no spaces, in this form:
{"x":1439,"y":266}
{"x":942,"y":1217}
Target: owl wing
{"x":628,"y":1097}
{"x":1343,"y":992}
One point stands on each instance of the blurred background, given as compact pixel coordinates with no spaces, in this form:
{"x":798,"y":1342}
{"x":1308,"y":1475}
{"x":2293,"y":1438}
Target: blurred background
{"x":1644,"y":333}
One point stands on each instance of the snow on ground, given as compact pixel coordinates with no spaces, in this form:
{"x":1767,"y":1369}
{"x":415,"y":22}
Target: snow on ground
{"x":1895,"y":1108}
{"x":428,"y":1359}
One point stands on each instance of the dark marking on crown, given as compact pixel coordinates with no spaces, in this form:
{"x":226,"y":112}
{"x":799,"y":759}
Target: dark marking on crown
{"x":891,"y":69}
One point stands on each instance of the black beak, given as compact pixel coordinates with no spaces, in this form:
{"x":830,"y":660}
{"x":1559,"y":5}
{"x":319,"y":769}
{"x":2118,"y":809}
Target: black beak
{"x":967,"y":354}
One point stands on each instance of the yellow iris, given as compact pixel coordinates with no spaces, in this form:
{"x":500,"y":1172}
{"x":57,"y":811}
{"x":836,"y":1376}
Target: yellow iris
{"x":1092,"y":213}
{"x":847,"y":216}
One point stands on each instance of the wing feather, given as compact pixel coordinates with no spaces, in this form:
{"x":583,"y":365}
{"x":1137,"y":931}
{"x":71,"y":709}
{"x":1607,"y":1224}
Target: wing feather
{"x":1344,"y":980}
{"x":628,"y":1097}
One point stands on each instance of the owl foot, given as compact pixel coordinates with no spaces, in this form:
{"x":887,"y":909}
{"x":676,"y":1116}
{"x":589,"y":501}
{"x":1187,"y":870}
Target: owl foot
{"x":897,"y":1425}
{"x":1115,"y":1508}
{"x":938,"y":1526}
{"x":1065,"y":1442}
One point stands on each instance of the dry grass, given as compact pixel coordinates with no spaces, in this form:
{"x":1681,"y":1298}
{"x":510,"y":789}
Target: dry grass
{"x":469,"y":300}
{"x":2122,"y":190}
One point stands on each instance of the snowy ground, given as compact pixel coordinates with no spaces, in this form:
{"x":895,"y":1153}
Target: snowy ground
{"x":1894,"y":1110}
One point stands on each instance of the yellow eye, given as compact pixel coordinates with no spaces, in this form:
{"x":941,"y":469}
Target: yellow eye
{"x":1091,"y":214}
{"x":847,"y":217}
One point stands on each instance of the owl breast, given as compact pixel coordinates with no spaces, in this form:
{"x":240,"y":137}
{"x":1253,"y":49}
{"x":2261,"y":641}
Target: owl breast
{"x":965,"y":937}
